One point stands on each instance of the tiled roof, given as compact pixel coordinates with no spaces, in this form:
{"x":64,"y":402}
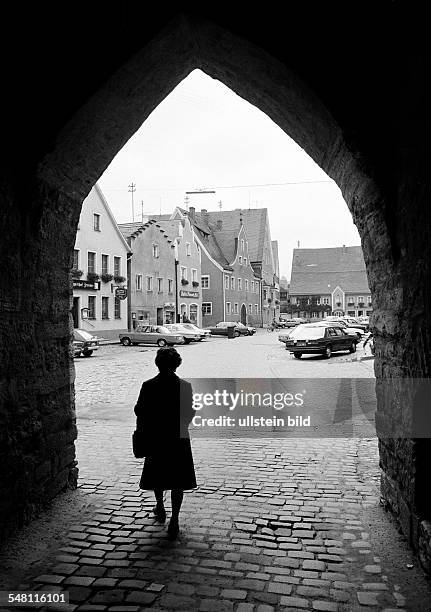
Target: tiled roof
{"x":314,"y":269}
{"x":127,"y":229}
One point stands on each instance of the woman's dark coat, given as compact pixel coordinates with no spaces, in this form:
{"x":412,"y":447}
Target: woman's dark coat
{"x":164,"y":411}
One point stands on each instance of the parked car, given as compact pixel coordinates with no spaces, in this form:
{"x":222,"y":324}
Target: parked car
{"x":89,"y":342}
{"x":319,"y":340}
{"x":353,"y":322}
{"x":352,"y":331}
{"x":221,"y":329}
{"x":245,"y":330}
{"x":285,"y":335}
{"x":77,"y":348}
{"x":189,"y":335}
{"x":205,"y":333}
{"x":151,"y":334}
{"x":293,"y":322}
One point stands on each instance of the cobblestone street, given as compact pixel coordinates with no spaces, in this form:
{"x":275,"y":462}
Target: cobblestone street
{"x":276,"y":524}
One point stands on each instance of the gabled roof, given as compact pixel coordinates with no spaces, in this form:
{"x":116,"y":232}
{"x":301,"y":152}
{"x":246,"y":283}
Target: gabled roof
{"x":111,"y":216}
{"x":127,"y":229}
{"x":314,"y":269}
{"x":134,"y":229}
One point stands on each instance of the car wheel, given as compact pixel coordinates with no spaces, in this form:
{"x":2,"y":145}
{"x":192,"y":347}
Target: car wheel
{"x":328,"y":352}
{"x":352,"y":348}
{"x":87,"y":353}
{"x":236,"y":334}
{"x":126,"y":342}
{"x":297,"y":355}
{"x":161,"y":342}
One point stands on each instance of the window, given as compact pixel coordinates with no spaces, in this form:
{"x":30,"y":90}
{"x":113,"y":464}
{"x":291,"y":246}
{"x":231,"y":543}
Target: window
{"x":183,"y":272}
{"x":91,"y":307}
{"x":160,"y":285}
{"x":360,"y":299}
{"x":205,"y":281}
{"x":75,"y":259}
{"x":226,"y":282}
{"x":91,"y":262}
{"x":117,"y":308}
{"x":246,"y":284}
{"x":252,"y":286}
{"x":105,"y":307}
{"x":105,"y":264}
{"x":117,"y":266}
{"x":235,"y":308}
{"x":318,"y":301}
{"x":232,"y":282}
{"x":207,"y":308}
{"x":228,"y":308}
{"x":240,"y":284}
{"x":170,"y":285}
{"x":240,"y":260}
{"x":149,"y":283}
{"x":369,"y":299}
{"x":194,"y":275}
{"x":250,"y":309}
{"x":245,"y":261}
{"x":325,"y":301}
{"x":138,"y":282}
{"x":242,"y":245}
{"x":256,"y":309}
{"x":96,"y":222}
{"x":155,"y":250}
{"x":264,"y":294}
{"x":188,"y":251}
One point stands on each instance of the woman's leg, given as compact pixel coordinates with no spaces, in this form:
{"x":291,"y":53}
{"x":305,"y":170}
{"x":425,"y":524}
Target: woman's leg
{"x":177,"y":500}
{"x":158,"y":493}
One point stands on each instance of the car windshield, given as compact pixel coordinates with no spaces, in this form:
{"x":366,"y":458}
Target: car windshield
{"x":305,"y":332}
{"x":162,"y":330}
{"x":190,"y":326}
{"x":80,"y":334}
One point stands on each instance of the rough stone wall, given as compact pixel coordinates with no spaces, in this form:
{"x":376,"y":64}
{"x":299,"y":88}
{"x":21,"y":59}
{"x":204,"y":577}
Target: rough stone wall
{"x":374,"y":147}
{"x":37,"y":417}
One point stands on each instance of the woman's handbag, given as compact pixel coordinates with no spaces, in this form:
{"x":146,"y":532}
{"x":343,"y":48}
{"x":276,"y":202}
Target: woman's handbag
{"x":141,"y":444}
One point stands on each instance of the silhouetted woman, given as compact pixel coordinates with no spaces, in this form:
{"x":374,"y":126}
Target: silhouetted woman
{"x":164,"y":410}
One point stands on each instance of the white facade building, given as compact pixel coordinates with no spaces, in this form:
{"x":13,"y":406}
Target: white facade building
{"x":99,"y":268}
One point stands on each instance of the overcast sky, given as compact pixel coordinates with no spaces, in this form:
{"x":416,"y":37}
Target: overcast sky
{"x":205,"y":136}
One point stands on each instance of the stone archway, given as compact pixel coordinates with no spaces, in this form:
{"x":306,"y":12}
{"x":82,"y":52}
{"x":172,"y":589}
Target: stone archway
{"x":243,"y":314}
{"x":42,"y":211}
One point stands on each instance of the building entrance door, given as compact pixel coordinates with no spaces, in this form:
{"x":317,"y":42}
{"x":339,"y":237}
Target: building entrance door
{"x":75,"y":312}
{"x":160,"y":316}
{"x":243,"y":315}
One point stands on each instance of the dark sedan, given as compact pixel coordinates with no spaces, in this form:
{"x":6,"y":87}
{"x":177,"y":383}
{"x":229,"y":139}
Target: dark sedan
{"x":221,"y":329}
{"x":319,"y":340}
{"x":87,"y":342}
{"x":245,"y":330}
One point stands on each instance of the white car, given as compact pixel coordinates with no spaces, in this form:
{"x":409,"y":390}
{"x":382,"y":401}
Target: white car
{"x":351,"y":331}
{"x":189,"y":335}
{"x":205,"y":333}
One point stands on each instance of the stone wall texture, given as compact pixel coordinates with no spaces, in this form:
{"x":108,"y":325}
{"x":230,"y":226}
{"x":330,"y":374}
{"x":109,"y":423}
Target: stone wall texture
{"x":361,"y":111}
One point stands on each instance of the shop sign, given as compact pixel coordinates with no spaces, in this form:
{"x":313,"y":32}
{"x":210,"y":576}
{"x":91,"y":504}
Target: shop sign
{"x":85,"y":284}
{"x":189,"y":294}
{"x":121,"y":293}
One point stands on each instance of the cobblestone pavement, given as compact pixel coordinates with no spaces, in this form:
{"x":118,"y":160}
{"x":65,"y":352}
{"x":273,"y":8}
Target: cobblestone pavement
{"x":274,"y":525}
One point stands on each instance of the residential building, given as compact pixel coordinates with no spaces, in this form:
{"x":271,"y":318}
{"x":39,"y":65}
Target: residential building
{"x":230,"y":288}
{"x":165,"y":271}
{"x":330,"y":281}
{"x":99,"y":268}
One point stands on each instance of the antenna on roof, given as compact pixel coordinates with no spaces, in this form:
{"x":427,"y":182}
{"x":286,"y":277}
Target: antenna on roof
{"x":220,"y":204}
{"x":142,"y":211}
{"x":186,"y":201}
{"x":298,"y":244}
{"x":132,"y":189}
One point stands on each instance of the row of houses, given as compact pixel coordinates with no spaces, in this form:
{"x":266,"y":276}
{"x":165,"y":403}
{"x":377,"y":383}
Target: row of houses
{"x":328,"y":281}
{"x":203,"y":267}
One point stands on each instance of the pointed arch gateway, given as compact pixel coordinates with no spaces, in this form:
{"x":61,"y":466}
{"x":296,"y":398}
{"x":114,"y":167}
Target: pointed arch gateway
{"x":94,"y":134}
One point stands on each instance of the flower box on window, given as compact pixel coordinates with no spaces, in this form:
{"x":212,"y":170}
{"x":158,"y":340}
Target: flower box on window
{"x":92,"y":277}
{"x":76,"y":273}
{"x":184,"y":281}
{"x":106,"y":278}
{"x":195,"y":283}
{"x":119,"y":279}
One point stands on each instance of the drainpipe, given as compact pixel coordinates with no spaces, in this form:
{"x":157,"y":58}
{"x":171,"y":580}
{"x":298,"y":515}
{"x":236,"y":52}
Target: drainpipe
{"x":129,"y":291}
{"x":177,"y":320}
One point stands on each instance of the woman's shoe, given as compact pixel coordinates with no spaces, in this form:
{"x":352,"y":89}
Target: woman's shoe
{"x":160,"y":513}
{"x":173,"y":529}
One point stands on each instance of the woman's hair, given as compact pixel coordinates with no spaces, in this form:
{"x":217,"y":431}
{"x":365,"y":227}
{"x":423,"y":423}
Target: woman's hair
{"x":168,"y":358}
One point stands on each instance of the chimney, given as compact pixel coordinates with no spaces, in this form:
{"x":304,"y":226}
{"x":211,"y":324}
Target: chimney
{"x":192,"y":211}
{"x":205,"y":216}
{"x":219,"y":224}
